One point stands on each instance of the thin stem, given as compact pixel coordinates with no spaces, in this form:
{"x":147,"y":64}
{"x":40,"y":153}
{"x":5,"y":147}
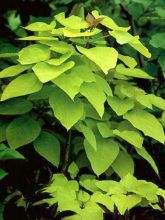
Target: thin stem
{"x":67,"y":151}
{"x":133,"y":30}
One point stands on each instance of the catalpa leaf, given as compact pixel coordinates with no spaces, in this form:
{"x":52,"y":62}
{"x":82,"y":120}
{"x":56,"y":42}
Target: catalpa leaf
{"x":104,"y":57}
{"x":103,"y":199}
{"x":73,"y":33}
{"x":67,"y":111}
{"x":123,"y":164}
{"x":143,"y":153}
{"x":73,"y":21}
{"x":13,"y":70}
{"x":132,"y":137}
{"x":61,"y":47}
{"x":34,"y":53}
{"x":69,"y":83}
{"x":44,"y":93}
{"x":120,"y":106}
{"x":157,"y":40}
{"x":6,"y":55}
{"x":84,"y":73}
{"x":89,"y":135}
{"x":19,"y":106}
{"x":137,"y":45}
{"x":102,"y":159}
{"x":109,"y":22}
{"x":157,"y":101}
{"x":122,"y":37}
{"x":147,"y":123}
{"x":22,"y":85}
{"x":128,"y":61}
{"x":133,"y":72}
{"x":61,"y":59}
{"x":125,"y":202}
{"x":22,"y":131}
{"x":7,"y":153}
{"x":105,"y":130}
{"x":48,"y":146}
{"x":95,"y":96}
{"x":40,"y":26}
{"x":38,"y":38}
{"x":51,"y":71}
{"x":103,"y":84}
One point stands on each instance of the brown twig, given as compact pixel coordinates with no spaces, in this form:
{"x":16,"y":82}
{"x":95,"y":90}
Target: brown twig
{"x":133,"y":30}
{"x":67,"y":151}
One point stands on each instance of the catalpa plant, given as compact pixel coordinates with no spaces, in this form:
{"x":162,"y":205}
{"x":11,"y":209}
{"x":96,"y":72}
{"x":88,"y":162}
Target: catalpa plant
{"x":74,"y":97}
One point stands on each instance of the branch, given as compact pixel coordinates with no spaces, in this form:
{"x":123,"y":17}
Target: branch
{"x":133,"y":30}
{"x":67,"y":151}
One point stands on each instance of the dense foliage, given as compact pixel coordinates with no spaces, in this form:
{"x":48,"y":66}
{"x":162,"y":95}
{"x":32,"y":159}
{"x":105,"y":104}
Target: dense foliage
{"x":82,"y":100}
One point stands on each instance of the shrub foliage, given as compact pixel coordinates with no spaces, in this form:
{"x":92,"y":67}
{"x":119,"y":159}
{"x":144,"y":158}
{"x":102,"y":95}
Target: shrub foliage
{"x":74,"y":96}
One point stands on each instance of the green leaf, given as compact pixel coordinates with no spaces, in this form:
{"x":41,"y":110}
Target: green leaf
{"x":109,"y":22}
{"x":13,"y":70}
{"x":123,"y":164}
{"x":13,"y":19}
{"x":40,"y":26}
{"x":111,"y":187}
{"x":95,"y":96}
{"x":22,"y":85}
{"x":122,"y":37}
{"x":132,"y":137}
{"x":133,"y":72}
{"x":51,"y":71}
{"x":89,"y":135}
{"x":161,"y":193}
{"x":88,"y":182}
{"x":157,"y":40}
{"x":143,"y":153}
{"x":8,"y":153}
{"x":61,"y":47}
{"x":6,"y":55}
{"x":129,"y":182}
{"x":128,"y":61}
{"x":157,"y":101}
{"x":73,"y":33}
{"x":105,"y":130}
{"x":34,"y":53}
{"x":73,"y":21}
{"x":61,"y":59}
{"x":84,"y":73}
{"x":104,"y":57}
{"x":19,"y":106}
{"x":73,"y":170}
{"x":124,"y":202}
{"x":66,"y":111}
{"x":103,"y":84}
{"x":3,"y":126}
{"x":147,"y":123}
{"x":69,"y":83}
{"x":102,"y":159}
{"x":48,"y":146}
{"x":22,"y":131}
{"x":103,"y":199}
{"x":38,"y":38}
{"x":115,"y":103}
{"x":44,"y":93}
{"x":2,"y":174}
{"x":91,"y":211}
{"x":137,"y":45}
